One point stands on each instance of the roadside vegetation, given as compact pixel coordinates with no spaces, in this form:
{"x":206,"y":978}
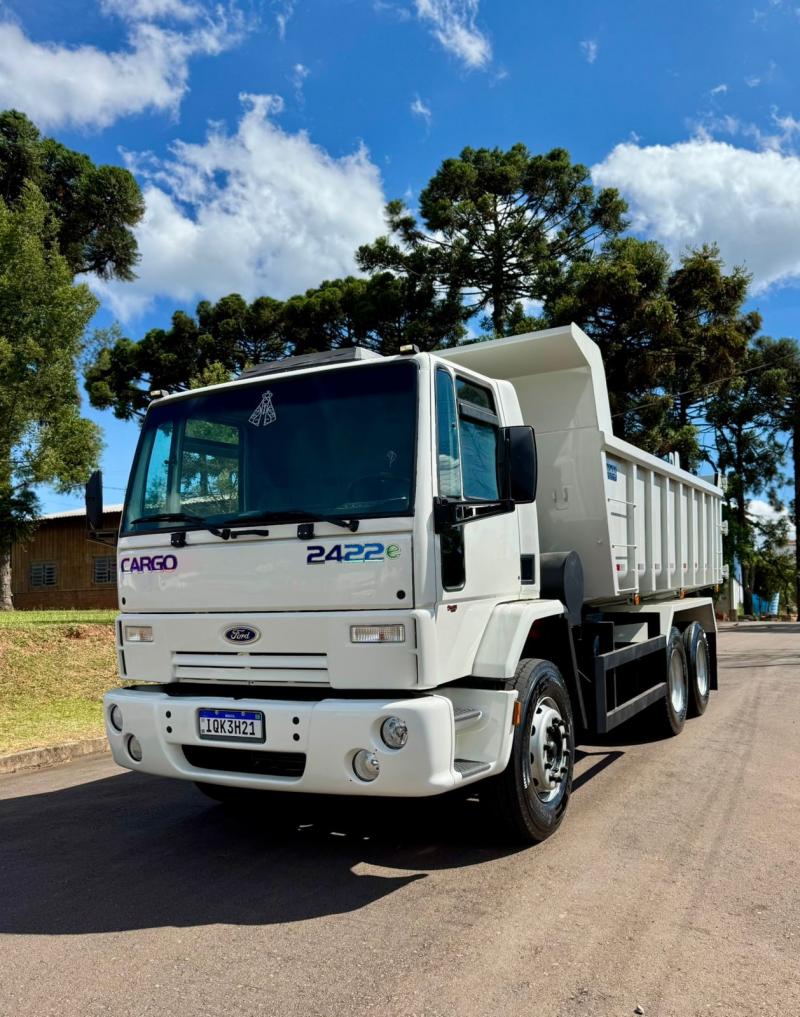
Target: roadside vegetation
{"x":54,"y":668}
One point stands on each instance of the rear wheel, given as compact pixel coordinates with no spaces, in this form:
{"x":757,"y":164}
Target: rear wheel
{"x":698,"y":662}
{"x":529,"y":798}
{"x":671,"y":711}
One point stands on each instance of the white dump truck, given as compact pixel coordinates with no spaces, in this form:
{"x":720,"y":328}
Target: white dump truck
{"x":397,"y":576}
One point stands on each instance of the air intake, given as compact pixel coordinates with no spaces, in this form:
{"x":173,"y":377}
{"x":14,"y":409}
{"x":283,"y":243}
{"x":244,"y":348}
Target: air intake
{"x":343,"y":356}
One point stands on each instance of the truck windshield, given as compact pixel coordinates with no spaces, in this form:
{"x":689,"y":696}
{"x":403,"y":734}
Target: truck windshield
{"x":337,"y":443}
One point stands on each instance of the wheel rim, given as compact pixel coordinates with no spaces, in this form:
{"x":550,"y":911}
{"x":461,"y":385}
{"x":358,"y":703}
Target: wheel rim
{"x":701,"y":670}
{"x":677,"y":683}
{"x":547,"y":761}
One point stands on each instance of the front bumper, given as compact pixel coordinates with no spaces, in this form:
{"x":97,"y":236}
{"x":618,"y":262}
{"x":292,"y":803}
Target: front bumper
{"x":319,"y":737}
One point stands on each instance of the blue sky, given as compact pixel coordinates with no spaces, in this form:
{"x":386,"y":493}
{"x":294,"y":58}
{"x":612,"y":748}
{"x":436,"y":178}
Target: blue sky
{"x":267,"y":134}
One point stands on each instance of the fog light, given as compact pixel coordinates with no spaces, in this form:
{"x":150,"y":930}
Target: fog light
{"x":139,"y":633}
{"x":394,"y":732}
{"x":377,"y":633}
{"x":366,"y":765}
{"x":115,"y":716}
{"x":135,"y":749}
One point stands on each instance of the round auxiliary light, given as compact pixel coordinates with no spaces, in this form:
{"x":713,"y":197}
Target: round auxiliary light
{"x":135,"y":749}
{"x":394,"y":732}
{"x":366,"y":765}
{"x":115,"y":716}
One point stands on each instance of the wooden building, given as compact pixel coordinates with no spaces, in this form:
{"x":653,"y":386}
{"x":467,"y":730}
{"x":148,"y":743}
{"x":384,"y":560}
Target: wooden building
{"x":59,"y":568}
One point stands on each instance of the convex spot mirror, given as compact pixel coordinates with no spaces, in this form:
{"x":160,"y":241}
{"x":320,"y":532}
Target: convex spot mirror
{"x":519,"y":457}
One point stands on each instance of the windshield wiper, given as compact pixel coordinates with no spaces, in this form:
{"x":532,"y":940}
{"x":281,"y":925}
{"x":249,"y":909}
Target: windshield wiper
{"x":300,"y":515}
{"x":184,"y":517}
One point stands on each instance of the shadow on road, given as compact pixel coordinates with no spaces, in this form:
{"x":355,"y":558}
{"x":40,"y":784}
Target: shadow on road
{"x":132,"y":851}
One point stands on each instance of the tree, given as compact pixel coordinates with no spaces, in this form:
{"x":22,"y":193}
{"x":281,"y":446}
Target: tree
{"x":218,"y":342}
{"x":497,"y":228}
{"x":43,"y":315}
{"x":745,"y":418}
{"x":94,"y":207}
{"x":382,"y":313}
{"x":667,"y":336}
{"x":788,"y":414}
{"x":773,"y":565}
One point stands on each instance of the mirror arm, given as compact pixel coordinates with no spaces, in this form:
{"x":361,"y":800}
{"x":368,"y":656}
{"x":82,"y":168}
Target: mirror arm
{"x":449,"y":512}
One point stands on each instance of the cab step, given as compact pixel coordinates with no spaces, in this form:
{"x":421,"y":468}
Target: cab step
{"x":465,"y":716}
{"x":469,"y":767}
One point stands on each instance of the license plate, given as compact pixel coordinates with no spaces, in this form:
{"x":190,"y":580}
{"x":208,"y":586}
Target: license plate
{"x":231,"y":725}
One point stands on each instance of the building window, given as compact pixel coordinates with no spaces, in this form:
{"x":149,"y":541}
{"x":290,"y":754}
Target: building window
{"x":43,"y":573}
{"x":104,"y":570}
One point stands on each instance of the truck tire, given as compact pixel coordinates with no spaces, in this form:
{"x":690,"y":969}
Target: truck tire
{"x":526,"y":802}
{"x":670,"y":712}
{"x":698,"y":662}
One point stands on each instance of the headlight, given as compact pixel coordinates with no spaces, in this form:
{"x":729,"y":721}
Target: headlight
{"x":135,"y":749}
{"x":377,"y":633}
{"x":115,"y":716}
{"x":366,"y":765}
{"x":139,"y":633}
{"x":394,"y":732}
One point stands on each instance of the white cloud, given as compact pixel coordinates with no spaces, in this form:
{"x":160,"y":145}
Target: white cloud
{"x":453,"y":24}
{"x":705,"y":190}
{"x":258,"y":211}
{"x":719,"y":89}
{"x":763,"y":510}
{"x":152,"y":10}
{"x":590,"y":49}
{"x":422,"y":110}
{"x":87,"y":87}
{"x":298,"y":77}
{"x":394,"y":10}
{"x":753,"y":81}
{"x":284,"y":9}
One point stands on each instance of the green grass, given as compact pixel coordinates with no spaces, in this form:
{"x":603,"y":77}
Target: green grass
{"x":29,"y":619}
{"x":54,"y":668}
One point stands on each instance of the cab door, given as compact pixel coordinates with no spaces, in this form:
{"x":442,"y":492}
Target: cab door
{"x":478,"y":562}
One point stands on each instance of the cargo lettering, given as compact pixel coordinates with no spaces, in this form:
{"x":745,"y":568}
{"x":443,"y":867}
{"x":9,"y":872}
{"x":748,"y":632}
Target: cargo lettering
{"x":149,"y":563}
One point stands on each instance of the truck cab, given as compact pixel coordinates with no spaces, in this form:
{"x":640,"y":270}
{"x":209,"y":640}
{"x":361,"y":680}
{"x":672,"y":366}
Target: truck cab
{"x":330,"y":577}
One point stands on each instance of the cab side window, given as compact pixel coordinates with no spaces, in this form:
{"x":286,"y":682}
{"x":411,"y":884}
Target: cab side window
{"x":448,"y":454}
{"x":478,"y":426}
{"x":447,"y":445}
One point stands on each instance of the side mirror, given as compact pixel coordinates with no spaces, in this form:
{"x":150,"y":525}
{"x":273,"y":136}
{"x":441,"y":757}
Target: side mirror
{"x":94,"y":501}
{"x":520,"y":461}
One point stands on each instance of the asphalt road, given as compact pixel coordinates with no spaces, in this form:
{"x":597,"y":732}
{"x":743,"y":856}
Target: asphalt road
{"x":673,"y":885}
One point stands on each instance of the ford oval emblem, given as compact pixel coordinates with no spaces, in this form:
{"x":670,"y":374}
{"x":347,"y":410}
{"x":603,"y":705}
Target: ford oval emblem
{"x":241,"y":634}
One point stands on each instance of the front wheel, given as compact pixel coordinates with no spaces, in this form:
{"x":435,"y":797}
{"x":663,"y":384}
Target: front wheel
{"x":529,"y":798}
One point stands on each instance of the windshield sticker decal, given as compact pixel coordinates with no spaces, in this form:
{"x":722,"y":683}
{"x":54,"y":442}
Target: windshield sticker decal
{"x":264,"y":413}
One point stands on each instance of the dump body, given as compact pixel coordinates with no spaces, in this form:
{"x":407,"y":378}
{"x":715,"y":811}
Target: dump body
{"x":641,"y":526}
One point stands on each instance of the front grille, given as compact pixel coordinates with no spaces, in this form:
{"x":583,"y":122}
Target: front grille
{"x":268,"y":764}
{"x":251,"y":668}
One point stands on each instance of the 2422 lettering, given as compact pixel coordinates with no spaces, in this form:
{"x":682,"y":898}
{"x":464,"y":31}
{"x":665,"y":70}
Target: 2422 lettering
{"x":319,"y":555}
